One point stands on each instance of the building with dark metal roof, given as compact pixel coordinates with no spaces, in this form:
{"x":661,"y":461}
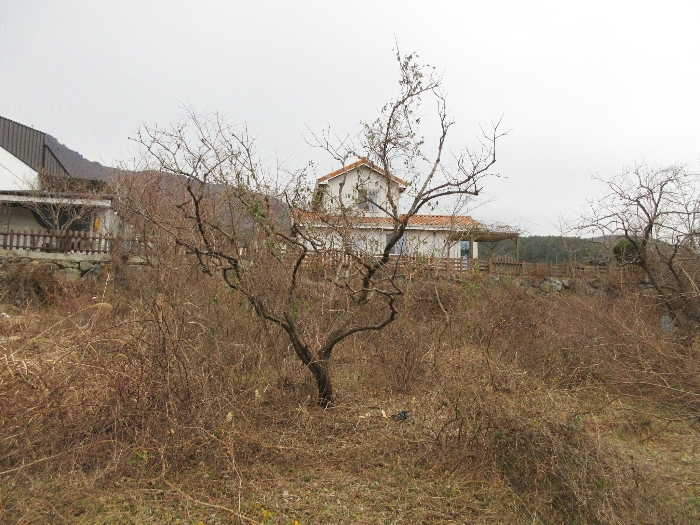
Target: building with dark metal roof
{"x":30,"y":146}
{"x":38,"y":192}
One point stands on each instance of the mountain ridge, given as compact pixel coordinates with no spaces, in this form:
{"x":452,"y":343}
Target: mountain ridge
{"x":77,"y":165}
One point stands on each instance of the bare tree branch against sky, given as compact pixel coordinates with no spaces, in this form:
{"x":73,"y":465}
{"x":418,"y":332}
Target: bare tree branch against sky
{"x":584,"y":87}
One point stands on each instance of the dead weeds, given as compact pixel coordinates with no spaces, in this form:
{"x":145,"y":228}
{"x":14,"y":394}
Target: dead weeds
{"x":170,"y":403}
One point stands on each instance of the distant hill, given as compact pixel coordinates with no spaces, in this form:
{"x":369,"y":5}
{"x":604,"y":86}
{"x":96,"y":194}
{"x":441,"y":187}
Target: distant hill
{"x":77,"y":165}
{"x":554,"y":249}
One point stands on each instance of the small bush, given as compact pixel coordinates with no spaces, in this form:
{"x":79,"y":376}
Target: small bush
{"x":23,"y":284}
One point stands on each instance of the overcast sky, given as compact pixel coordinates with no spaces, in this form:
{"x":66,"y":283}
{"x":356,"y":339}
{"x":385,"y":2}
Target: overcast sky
{"x":584,"y":87}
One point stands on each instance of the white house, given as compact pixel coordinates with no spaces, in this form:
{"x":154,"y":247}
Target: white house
{"x":353,"y":206}
{"x":38,"y":193}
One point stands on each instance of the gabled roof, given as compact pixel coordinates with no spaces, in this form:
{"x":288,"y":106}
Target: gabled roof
{"x":362,"y":162}
{"x":29,"y":146}
{"x":46,"y":155}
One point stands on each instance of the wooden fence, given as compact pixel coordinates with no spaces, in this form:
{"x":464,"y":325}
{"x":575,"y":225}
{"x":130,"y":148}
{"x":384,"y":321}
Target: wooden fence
{"x":93,"y":244}
{"x":55,"y":242}
{"x":507,"y":266}
{"x":495,"y":266}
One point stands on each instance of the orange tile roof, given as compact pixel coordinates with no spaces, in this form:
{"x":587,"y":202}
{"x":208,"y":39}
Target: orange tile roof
{"x":447,"y":221}
{"x":362,"y":162}
{"x":442,"y":222}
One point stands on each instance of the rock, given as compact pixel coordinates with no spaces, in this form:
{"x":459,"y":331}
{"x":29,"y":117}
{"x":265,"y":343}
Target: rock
{"x":93,"y":272}
{"x":666,"y":324}
{"x":65,"y":263}
{"x":401,"y":416}
{"x":566,"y":284}
{"x":526,"y":283}
{"x":550,"y":284}
{"x":86,"y":265}
{"x":69,"y":273}
{"x":557,"y":285}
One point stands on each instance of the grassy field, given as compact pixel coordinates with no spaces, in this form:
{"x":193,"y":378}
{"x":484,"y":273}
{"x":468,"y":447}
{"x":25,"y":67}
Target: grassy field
{"x":158,"y":397}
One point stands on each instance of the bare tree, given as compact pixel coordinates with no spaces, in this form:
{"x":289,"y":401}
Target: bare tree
{"x":62,"y":203}
{"x":656,"y":211}
{"x":248,"y":224}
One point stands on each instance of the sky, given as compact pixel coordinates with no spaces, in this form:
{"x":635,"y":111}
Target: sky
{"x":583,"y":88}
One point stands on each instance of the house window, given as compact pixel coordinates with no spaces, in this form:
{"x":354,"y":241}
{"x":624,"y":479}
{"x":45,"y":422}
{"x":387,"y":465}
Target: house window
{"x":62,"y":218}
{"x":366,"y":200}
{"x":400,"y":247}
{"x":464,"y":248}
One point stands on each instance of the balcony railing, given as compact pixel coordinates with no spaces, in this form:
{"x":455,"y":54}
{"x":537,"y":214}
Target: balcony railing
{"x":81,"y":242}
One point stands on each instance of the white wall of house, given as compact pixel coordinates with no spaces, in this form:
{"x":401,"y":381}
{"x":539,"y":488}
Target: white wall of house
{"x":423,"y":242}
{"x":109,"y":223}
{"x":15,"y":175}
{"x":344,"y":190}
{"x":17,"y":218}
{"x":431,"y":243}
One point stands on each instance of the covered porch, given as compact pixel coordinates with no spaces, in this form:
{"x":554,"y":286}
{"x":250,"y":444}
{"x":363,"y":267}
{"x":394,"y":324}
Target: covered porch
{"x":488,"y":235}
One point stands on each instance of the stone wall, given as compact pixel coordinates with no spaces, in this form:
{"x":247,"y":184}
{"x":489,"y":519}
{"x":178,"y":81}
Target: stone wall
{"x":590,"y":286}
{"x":69,"y":265}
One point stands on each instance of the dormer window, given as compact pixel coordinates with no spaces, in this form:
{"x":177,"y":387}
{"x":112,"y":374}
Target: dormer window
{"x":367,"y":200}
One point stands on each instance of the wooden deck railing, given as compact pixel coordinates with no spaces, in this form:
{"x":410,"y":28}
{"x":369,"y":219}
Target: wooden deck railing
{"x":55,"y":242}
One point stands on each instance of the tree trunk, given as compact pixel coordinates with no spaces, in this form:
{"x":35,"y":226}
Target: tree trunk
{"x":318,"y":366}
{"x":326,"y":397}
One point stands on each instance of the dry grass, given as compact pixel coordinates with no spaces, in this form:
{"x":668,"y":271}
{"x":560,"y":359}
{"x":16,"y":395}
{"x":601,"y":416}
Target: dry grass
{"x":146,"y":400}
